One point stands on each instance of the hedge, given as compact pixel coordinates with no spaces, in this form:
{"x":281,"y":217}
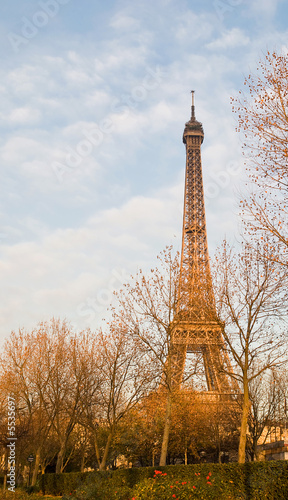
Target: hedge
{"x":253,"y":481}
{"x":59,"y":484}
{"x":66,"y":483}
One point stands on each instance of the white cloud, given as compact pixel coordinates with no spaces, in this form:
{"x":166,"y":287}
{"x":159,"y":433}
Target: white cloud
{"x":24,"y":116}
{"x":229,"y":40}
{"x":115,"y":210}
{"x":191,"y":27}
{"x":17,"y":149}
{"x":264,"y":7}
{"x":64,"y":267}
{"x":124,"y":22}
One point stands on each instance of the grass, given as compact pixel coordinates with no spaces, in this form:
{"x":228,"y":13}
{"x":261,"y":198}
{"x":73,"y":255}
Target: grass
{"x":23,"y":495}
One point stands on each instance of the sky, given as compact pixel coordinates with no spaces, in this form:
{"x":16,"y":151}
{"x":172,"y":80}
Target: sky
{"x":94,"y":97}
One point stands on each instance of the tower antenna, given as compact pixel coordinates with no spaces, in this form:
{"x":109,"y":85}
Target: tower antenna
{"x":193,"y":107}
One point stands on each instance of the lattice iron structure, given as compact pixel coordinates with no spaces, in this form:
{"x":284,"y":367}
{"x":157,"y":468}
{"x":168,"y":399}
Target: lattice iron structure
{"x":196,"y":327}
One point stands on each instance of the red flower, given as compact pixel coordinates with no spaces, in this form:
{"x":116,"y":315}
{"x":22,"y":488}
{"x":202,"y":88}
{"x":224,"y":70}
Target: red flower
{"x":184,"y":482}
{"x":208,"y":482}
{"x":171,"y":486}
{"x":158,"y":471}
{"x":208,"y":477}
{"x":165,"y":474}
{"x":174,"y":496}
{"x":194,"y":487}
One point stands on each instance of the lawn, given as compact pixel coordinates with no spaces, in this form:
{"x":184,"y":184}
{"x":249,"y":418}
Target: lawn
{"x":22,"y":495}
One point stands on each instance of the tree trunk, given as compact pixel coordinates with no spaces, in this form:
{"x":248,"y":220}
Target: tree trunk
{"x":5,"y":479}
{"x":36,"y":466}
{"x":106,"y":451}
{"x":244,"y":422}
{"x":82,"y":461}
{"x":97,"y":452}
{"x":5,"y":468}
{"x":165,"y":440}
{"x":60,"y":458}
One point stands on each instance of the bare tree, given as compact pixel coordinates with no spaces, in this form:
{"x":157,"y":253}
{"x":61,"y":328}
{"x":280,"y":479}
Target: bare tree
{"x":47,"y":369}
{"x":92,"y":362}
{"x":251,"y":298}
{"x":265,"y":397}
{"x":74,"y":370}
{"x":148,"y":305}
{"x":263,"y":119}
{"x":22,"y":364}
{"x":125,"y":380}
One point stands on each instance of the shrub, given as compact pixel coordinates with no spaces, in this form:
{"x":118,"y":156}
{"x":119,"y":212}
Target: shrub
{"x":101,"y":486}
{"x":253,"y":481}
{"x":59,"y":484}
{"x":267,"y":480}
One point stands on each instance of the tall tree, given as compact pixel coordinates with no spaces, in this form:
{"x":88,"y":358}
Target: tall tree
{"x":69,"y":372}
{"x":22,"y":364}
{"x":92,"y":363}
{"x":266,"y":395}
{"x":147,"y":307}
{"x":251,"y":298}
{"x":46,"y":370}
{"x":125,"y":377}
{"x":263,"y":119}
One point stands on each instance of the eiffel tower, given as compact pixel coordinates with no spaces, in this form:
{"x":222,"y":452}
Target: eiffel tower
{"x":196,"y":328}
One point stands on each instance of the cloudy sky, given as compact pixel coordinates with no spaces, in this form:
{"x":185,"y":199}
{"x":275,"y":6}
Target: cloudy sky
{"x":94,"y":98}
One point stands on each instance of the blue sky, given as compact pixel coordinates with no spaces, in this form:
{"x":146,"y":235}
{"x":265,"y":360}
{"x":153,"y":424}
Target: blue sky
{"x":94,"y":97}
